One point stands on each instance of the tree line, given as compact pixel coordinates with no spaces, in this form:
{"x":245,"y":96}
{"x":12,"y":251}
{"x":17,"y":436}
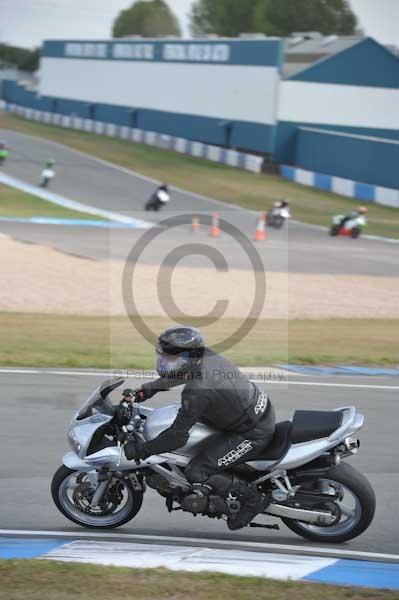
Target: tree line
{"x":229,"y":18}
{"x":24,"y":59}
{"x":226,"y":18}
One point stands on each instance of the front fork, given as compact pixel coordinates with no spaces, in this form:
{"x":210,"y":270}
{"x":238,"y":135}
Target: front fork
{"x":100,"y":481}
{"x":103,"y":481}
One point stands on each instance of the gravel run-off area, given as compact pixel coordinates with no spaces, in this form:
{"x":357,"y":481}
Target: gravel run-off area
{"x":44,"y":280}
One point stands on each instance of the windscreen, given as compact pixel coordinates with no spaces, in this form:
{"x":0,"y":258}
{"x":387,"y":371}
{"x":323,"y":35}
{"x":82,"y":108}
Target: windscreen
{"x":98,"y":402}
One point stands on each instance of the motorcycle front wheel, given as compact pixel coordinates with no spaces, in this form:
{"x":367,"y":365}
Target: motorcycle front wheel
{"x":356,"y":508}
{"x":278,"y":222}
{"x":334,"y":230}
{"x":71,"y":492}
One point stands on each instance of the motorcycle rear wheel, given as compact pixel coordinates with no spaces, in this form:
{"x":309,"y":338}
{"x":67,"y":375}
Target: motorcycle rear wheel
{"x":60,"y":486}
{"x":358,"y":517}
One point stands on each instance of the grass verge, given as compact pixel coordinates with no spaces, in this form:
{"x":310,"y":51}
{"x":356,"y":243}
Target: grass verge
{"x":14,"y":203}
{"x":34,"y":580}
{"x":97,"y":342}
{"x":211,"y":179}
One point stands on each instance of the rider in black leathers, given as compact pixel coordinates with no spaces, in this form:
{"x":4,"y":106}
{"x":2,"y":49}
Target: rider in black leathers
{"x":216,"y":393}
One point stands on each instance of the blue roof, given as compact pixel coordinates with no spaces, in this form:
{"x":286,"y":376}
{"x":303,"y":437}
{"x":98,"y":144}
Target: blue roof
{"x":366,"y":63}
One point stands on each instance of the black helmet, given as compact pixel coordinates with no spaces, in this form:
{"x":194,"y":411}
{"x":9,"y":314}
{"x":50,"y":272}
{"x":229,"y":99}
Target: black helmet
{"x":179,"y":350}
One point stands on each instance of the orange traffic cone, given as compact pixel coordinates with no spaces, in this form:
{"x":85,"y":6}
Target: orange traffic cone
{"x":260,"y":234}
{"x":214,"y":229}
{"x":195,"y":227}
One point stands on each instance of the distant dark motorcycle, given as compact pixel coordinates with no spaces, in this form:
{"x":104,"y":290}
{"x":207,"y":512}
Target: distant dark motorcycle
{"x":158,"y":199}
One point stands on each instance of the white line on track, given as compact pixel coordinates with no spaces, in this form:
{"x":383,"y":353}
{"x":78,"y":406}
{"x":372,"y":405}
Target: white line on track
{"x":320,"y":551}
{"x":259,"y":381}
{"x":328,"y":384}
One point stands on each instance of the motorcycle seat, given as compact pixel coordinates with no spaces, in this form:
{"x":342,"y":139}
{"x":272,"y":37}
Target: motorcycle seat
{"x":314,"y":424}
{"x":306,"y":425}
{"x":279,"y":444}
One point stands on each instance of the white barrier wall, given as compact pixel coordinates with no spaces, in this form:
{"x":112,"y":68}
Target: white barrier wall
{"x":242,"y":160}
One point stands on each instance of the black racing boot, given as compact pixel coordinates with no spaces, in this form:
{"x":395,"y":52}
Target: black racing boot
{"x":252,"y":503}
{"x":251,"y":500}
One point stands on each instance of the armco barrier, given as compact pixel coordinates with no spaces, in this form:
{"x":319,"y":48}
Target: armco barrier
{"x":248,"y":162}
{"x":344,"y":187}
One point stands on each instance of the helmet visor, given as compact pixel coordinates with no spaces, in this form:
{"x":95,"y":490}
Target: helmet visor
{"x":169,"y":364}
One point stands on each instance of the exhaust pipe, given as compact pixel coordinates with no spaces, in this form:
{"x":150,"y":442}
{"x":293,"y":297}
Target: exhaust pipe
{"x":298,"y":514}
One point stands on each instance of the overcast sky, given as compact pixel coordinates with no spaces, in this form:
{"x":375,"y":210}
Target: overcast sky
{"x":28,"y":22}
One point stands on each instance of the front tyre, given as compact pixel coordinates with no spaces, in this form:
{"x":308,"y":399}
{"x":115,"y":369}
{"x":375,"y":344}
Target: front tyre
{"x":72,"y":491}
{"x":278,"y":222}
{"x":357,"y":508}
{"x":334,"y":230}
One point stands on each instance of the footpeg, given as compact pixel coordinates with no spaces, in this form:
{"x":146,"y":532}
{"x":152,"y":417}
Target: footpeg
{"x":275,"y":526}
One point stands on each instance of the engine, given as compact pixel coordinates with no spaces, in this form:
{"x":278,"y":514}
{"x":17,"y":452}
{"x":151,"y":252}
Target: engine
{"x":212,"y":506}
{"x":196,"y":504}
{"x":160,"y":484}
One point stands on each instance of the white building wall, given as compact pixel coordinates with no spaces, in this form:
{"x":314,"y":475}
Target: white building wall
{"x":236,"y":92}
{"x":333,"y":104}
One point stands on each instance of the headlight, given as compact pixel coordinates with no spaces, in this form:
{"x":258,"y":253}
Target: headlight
{"x":74,"y":441}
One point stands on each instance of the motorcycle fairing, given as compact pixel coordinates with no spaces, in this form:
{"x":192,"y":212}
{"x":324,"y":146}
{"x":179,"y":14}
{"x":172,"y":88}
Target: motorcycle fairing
{"x":297,"y":454}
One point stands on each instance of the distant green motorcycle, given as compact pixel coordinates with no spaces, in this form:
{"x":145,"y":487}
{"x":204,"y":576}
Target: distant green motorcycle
{"x":3,"y":152}
{"x":351,"y":225}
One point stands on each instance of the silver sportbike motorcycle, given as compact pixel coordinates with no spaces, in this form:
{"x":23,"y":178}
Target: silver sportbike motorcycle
{"x":301,"y":473}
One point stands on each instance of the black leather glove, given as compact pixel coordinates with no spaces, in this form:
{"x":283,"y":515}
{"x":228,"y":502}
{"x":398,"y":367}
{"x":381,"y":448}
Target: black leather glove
{"x":135,"y":450}
{"x":141,"y":396}
{"x":135,"y":395}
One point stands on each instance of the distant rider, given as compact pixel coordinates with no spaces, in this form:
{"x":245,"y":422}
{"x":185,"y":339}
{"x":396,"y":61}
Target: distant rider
{"x":3,"y":151}
{"x":162,"y":193}
{"x":215,"y":393}
{"x":48,"y":173}
{"x":360,"y":211}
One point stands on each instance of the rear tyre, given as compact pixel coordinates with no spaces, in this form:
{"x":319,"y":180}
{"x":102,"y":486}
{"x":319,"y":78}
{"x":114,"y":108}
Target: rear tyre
{"x":354,"y":484}
{"x":63,"y":490}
